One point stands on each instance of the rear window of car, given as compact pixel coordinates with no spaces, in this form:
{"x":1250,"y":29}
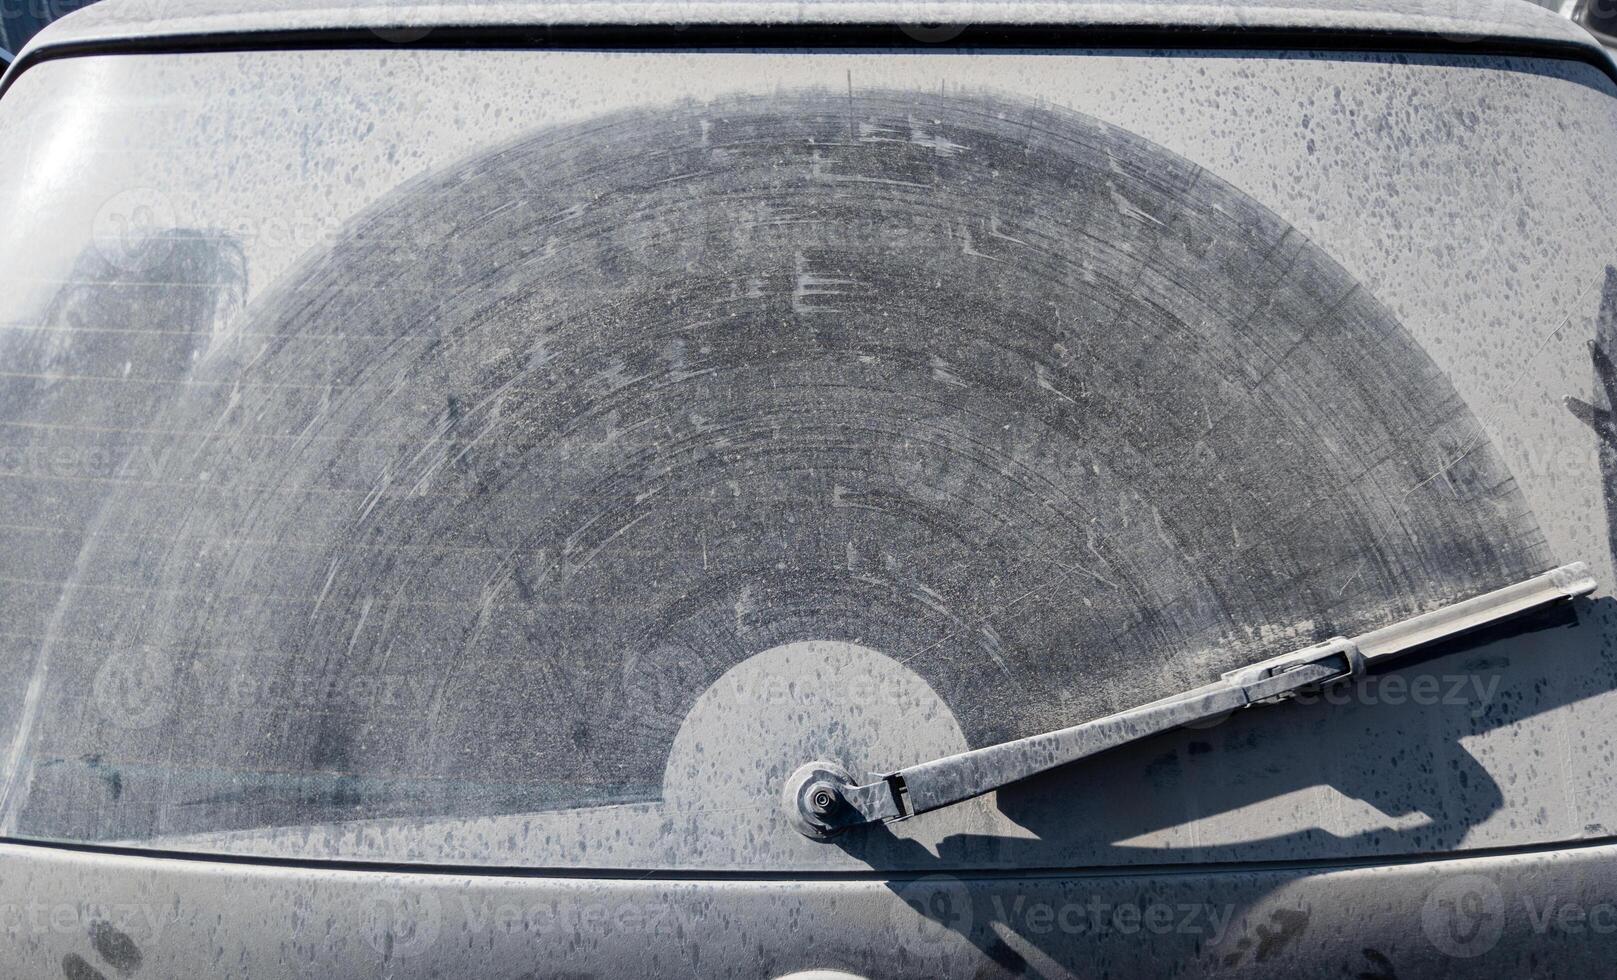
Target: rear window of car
{"x":529,"y":458}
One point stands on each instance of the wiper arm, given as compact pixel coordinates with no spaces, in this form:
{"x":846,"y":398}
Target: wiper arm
{"x":823,"y":799}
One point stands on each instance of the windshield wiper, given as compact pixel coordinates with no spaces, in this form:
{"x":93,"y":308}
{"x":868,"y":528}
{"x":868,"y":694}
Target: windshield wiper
{"x":823,"y":799}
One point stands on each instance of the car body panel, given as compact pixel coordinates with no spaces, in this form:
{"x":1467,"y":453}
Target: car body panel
{"x":132,"y":24}
{"x":1523,"y":914}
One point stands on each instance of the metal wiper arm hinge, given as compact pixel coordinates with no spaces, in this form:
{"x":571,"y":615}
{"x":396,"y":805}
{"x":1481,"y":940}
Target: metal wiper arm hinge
{"x":823,"y":799}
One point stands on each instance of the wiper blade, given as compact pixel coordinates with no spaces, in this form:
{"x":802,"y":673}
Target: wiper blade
{"x":823,"y":799}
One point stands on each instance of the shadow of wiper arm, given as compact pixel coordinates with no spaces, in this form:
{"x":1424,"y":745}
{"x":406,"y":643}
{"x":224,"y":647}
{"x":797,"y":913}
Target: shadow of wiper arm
{"x":823,"y":799}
